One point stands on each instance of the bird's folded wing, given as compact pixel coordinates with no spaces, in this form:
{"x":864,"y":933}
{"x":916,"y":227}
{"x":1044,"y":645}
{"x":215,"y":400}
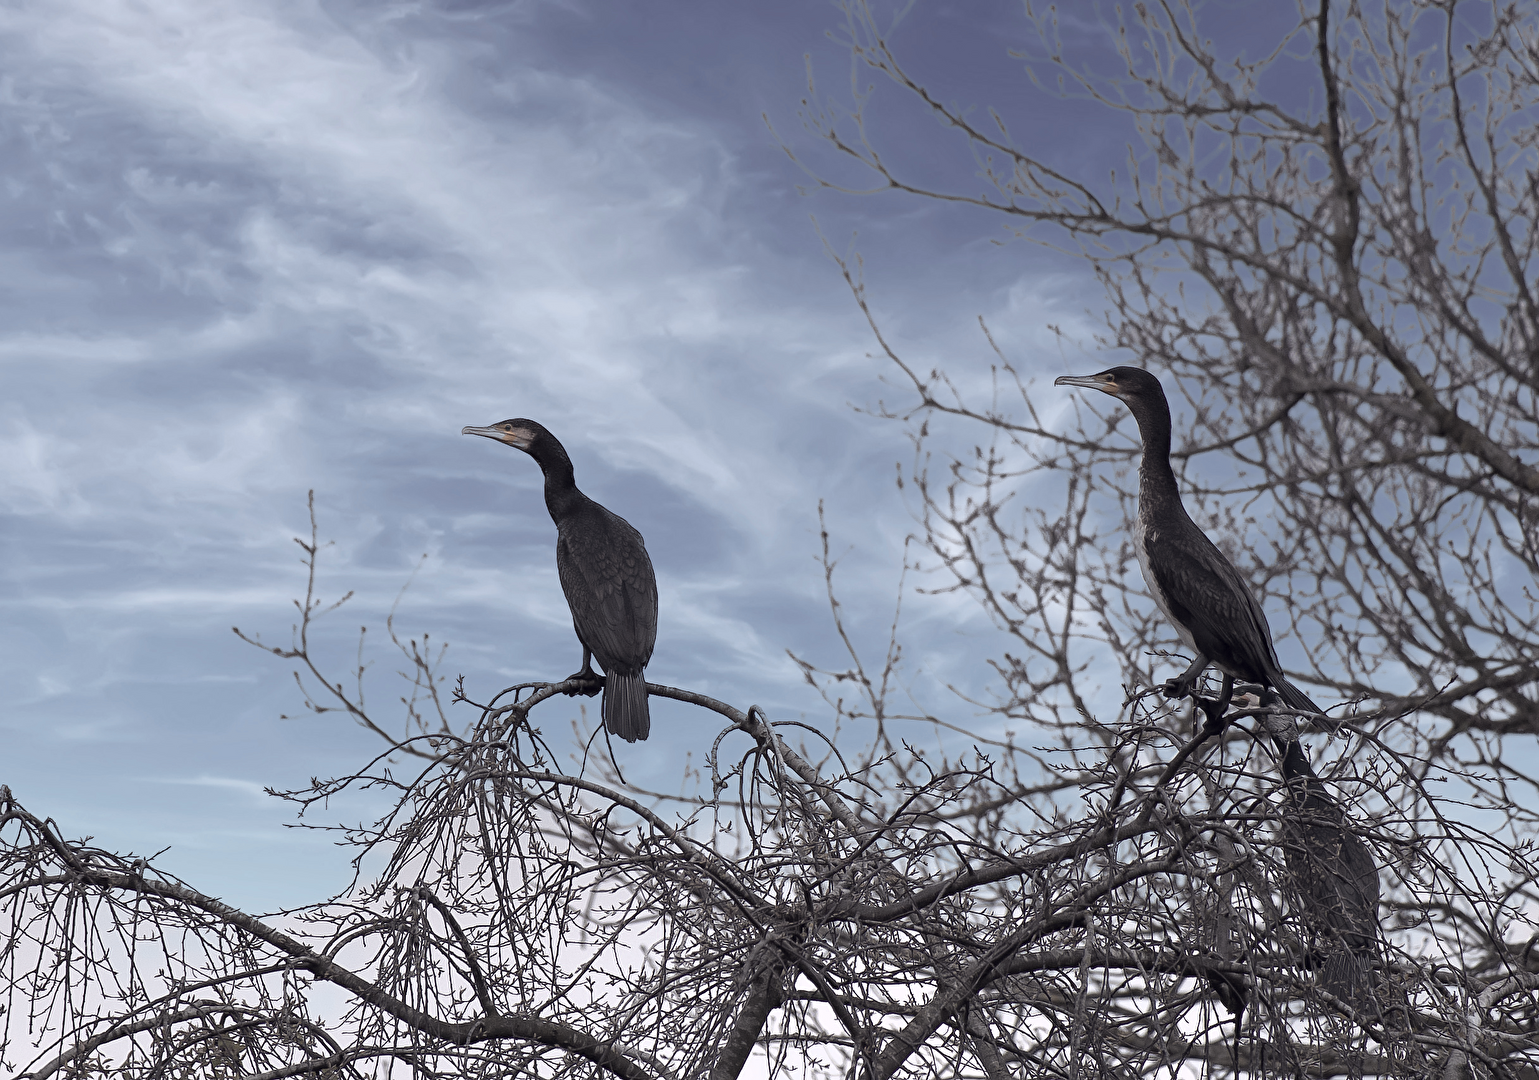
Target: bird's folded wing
{"x":611,"y":589}
{"x":1207,"y":594}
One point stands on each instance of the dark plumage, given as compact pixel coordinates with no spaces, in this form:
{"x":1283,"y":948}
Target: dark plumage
{"x":1335,"y":878}
{"x":607,"y":578}
{"x":1195,"y":585}
{"x":1333,"y":874}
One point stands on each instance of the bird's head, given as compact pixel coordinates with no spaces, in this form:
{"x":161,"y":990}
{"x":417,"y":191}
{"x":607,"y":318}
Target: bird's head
{"x":1119,"y":382}
{"x":523,"y":434}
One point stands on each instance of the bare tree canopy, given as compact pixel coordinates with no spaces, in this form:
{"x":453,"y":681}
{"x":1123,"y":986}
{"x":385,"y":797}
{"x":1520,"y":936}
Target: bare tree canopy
{"x":1333,"y":281}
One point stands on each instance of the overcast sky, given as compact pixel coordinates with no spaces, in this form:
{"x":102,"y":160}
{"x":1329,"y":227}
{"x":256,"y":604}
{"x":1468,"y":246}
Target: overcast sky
{"x":255,"y":247}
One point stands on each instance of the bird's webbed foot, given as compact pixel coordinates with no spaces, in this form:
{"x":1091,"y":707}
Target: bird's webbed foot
{"x":1185,"y":684}
{"x":1179,"y":687}
{"x":1216,"y":709}
{"x":592,"y":683}
{"x":1260,"y":691}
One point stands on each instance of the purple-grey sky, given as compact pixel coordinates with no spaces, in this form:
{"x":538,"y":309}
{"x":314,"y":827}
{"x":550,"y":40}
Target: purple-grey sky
{"x":253,"y":248}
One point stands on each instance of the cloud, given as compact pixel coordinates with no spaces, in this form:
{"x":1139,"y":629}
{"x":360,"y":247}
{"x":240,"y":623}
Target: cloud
{"x":246,"y":787}
{"x":254,"y":249}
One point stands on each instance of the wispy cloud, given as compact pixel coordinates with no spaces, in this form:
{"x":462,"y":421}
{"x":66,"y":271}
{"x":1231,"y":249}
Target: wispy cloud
{"x":249,"y":788}
{"x":252,"y":249}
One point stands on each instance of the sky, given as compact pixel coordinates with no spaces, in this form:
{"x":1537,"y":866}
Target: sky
{"x":262,"y":247}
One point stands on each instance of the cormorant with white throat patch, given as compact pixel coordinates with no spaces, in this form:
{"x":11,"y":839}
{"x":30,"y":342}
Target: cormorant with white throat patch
{"x":1195,"y":584}
{"x":1332,"y":872}
{"x":606,"y":576}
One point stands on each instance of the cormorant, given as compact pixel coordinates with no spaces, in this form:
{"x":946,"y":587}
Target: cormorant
{"x":607,"y":578}
{"x":1194,"y":583}
{"x":1213,"y":609}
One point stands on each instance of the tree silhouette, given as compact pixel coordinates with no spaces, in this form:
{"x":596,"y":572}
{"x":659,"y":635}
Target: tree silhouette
{"x":1338,"y":293}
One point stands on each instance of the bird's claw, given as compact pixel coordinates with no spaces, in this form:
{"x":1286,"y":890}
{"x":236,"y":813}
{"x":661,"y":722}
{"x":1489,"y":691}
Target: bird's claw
{"x":1262,"y":693}
{"x":1179,"y":688}
{"x":593,"y":684}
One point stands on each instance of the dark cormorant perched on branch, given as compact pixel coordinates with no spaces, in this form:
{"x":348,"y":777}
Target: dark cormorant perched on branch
{"x":607,"y":578}
{"x":1213,"y":609}
{"x":1195,"y":584}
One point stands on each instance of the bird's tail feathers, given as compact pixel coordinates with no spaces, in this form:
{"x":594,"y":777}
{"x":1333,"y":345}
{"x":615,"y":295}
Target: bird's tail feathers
{"x":625,"y":706}
{"x":1348,"y":974}
{"x":1295,"y":698}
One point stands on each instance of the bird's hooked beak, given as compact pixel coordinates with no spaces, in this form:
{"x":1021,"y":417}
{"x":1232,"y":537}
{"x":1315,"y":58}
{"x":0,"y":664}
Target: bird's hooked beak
{"x":512,"y":434}
{"x":1103,"y":381}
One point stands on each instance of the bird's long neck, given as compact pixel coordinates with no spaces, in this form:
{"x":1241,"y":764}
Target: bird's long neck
{"x":561,"y":494}
{"x":1295,"y":766}
{"x":1156,"y":480}
{"x":1306,"y":790}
